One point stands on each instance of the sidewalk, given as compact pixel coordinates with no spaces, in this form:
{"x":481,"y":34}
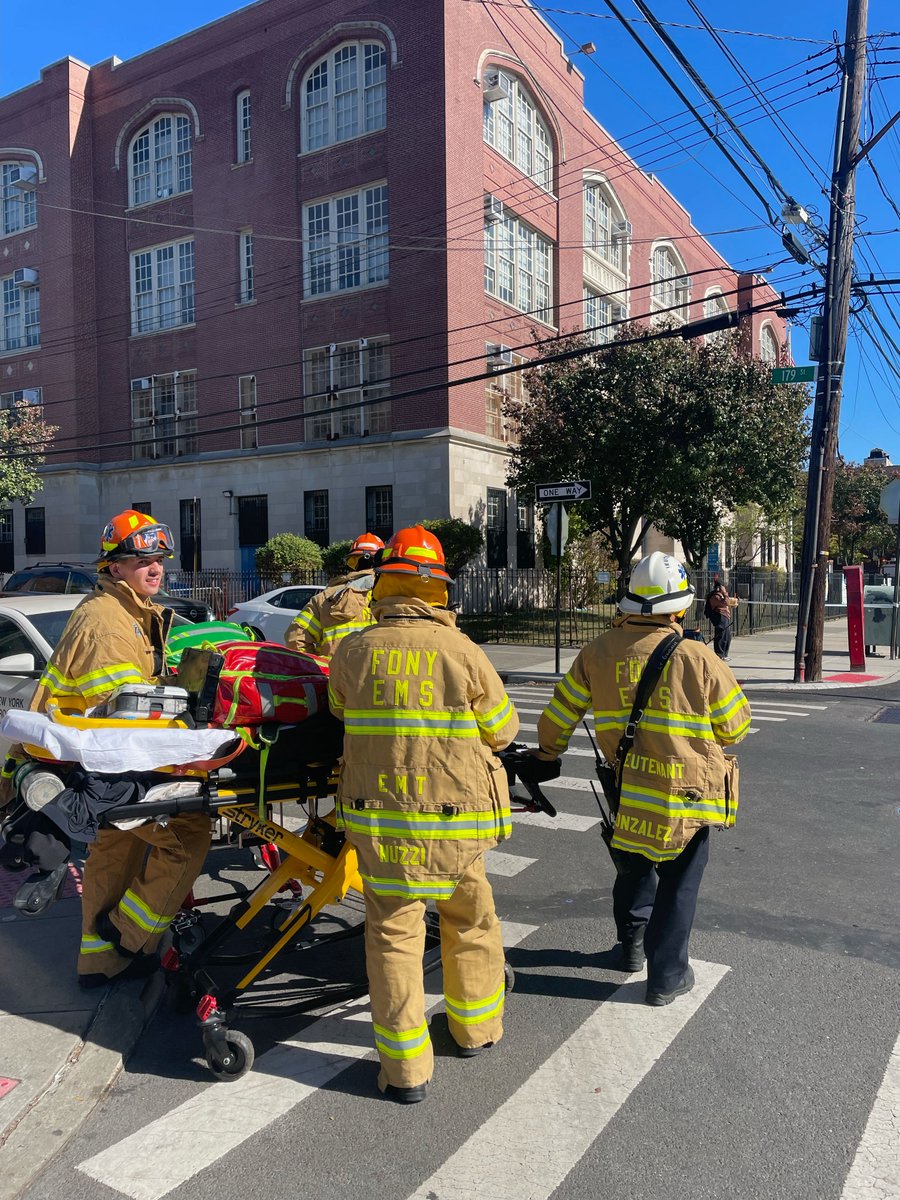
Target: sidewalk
{"x":763,"y":660}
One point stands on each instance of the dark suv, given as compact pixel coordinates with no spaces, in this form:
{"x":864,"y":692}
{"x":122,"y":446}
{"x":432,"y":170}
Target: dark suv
{"x":68,"y":578}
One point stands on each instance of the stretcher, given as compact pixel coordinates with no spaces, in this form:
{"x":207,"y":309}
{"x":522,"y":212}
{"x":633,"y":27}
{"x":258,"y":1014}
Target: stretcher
{"x":316,"y":867}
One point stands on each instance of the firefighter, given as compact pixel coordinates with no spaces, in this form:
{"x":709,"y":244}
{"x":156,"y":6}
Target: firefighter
{"x":117,"y":635}
{"x":673,"y":785}
{"x":422,"y":795}
{"x":342,"y":608}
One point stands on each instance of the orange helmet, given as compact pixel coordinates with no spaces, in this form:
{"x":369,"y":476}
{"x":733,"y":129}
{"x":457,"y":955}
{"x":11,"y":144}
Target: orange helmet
{"x":364,"y":550}
{"x":132,"y":534}
{"x":414,"y":551}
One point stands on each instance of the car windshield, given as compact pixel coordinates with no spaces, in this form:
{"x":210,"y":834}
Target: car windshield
{"x":50,"y":624}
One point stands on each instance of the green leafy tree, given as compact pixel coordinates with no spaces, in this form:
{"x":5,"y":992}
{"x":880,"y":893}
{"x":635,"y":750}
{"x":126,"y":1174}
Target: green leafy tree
{"x":334,"y":558}
{"x":461,"y":542}
{"x":24,"y":438}
{"x":288,"y":554}
{"x":670,"y":433}
{"x":859,"y":528}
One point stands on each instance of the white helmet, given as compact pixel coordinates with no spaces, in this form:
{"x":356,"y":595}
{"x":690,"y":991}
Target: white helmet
{"x":658,"y":584}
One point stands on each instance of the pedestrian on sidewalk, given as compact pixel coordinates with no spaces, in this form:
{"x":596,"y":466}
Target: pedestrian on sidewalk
{"x":675,"y":783}
{"x":422,"y":796}
{"x":718,"y":610}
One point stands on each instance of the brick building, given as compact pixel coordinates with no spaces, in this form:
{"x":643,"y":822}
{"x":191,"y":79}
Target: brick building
{"x":244,"y":272}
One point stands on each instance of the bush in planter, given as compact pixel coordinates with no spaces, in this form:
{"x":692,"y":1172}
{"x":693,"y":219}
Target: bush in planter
{"x":288,"y":554}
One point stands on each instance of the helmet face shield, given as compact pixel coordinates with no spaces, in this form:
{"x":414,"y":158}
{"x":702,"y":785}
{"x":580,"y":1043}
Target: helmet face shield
{"x":152,"y":540}
{"x":135,"y":535}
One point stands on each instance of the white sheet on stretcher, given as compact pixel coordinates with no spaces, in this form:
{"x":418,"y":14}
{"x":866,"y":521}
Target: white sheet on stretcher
{"x":111,"y":751}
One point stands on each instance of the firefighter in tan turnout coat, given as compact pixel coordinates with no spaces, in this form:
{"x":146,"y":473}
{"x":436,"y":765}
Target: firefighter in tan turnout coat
{"x":342,"y":608}
{"x":421,"y":797}
{"x":676,"y":782}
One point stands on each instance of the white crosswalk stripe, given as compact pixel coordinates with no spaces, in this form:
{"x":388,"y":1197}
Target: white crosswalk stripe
{"x":875,"y":1174}
{"x":497,"y":862}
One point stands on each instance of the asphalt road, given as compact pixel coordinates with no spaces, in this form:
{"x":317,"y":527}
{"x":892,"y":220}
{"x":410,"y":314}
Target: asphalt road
{"x":768,"y":1081}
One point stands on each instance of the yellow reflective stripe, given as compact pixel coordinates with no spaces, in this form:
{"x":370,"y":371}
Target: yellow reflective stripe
{"x":395,"y":823}
{"x":574,"y":692}
{"x":334,"y":633}
{"x":408,"y":1043}
{"x":727,"y":736}
{"x":674,"y":806}
{"x":92,"y":944}
{"x":721,"y":708}
{"x":647,"y":850}
{"x":473,"y":1012}
{"x":91,"y":682}
{"x":657,"y":721}
{"x":413,"y":889}
{"x":307,"y":621}
{"x":136,"y":910}
{"x":496,"y":717}
{"x":410,"y":723}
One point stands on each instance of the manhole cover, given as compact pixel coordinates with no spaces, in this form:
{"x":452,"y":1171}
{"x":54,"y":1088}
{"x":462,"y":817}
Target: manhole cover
{"x":888,"y":716}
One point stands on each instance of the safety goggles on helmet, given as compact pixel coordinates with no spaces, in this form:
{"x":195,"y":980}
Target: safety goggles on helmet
{"x":155,"y":539}
{"x":413,"y":551}
{"x":132,"y":534}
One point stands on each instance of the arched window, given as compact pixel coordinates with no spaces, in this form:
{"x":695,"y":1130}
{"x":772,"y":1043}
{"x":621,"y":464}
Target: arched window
{"x":17,"y":183}
{"x":244,"y":126}
{"x":714,"y":305}
{"x":159,"y":162}
{"x":345,"y":95}
{"x":769,"y":350}
{"x":606,"y":231}
{"x":515,"y":128}
{"x":671,"y":291}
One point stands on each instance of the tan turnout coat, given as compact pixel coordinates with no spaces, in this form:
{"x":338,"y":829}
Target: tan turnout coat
{"x":421,"y":793}
{"x":342,"y":608}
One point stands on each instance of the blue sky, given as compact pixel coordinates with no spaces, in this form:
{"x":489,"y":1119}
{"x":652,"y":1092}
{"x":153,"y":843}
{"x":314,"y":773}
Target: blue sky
{"x":637,"y":106}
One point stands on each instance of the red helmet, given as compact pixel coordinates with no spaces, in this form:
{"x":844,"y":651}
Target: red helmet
{"x":133,"y":534}
{"x":414,"y":551}
{"x":364,"y":549}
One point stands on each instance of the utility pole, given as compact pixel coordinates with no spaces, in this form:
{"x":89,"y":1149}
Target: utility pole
{"x":835,"y":320}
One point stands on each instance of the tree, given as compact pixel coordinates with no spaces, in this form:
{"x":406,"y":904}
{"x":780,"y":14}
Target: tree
{"x":288,"y":554}
{"x":24,"y":437}
{"x":334,"y":558}
{"x":461,"y":542}
{"x":670,"y":433}
{"x":859,"y":528}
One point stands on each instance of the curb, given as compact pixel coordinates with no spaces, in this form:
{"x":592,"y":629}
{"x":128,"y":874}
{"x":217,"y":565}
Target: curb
{"x":56,"y":1114}
{"x":769,"y":685}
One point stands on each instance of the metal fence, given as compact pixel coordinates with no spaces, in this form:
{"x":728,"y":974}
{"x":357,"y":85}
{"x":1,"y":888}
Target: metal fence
{"x":509,"y":605}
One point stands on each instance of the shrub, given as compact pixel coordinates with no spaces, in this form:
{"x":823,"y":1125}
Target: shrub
{"x":288,"y":554}
{"x":460,"y":540}
{"x":334,"y":558}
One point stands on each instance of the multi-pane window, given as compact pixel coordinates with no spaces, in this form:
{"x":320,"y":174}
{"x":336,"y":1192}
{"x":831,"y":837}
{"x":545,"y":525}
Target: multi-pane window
{"x":514,"y":127}
{"x":498,"y":392}
{"x":164,"y":415}
{"x":497,"y":553}
{"x":247,"y":407}
{"x":524,"y":532}
{"x":245,"y":249}
{"x":19,"y":204}
{"x":380,"y":511}
{"x":671,"y":284}
{"x":35,"y":531}
{"x":714,"y":305}
{"x":20,"y":325}
{"x":601,"y":234}
{"x":346,"y":242}
{"x":315,"y":516}
{"x":342,"y":386}
{"x":345,"y":95}
{"x":598,"y":317}
{"x":190,"y":534}
{"x":244,"y":127}
{"x":32,"y":397}
{"x":768,"y":346}
{"x":160,"y":159}
{"x":517,"y":266}
{"x":162,"y":287}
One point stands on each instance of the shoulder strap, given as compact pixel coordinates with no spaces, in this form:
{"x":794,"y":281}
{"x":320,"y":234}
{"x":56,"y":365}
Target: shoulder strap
{"x":649,"y":678}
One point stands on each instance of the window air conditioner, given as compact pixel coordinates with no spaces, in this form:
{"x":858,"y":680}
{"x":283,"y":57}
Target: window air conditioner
{"x":493,"y":209}
{"x":27,"y":180}
{"x":622,"y":229}
{"x":494,"y":87}
{"x":498,"y":356}
{"x":141,"y":385}
{"x":683,"y":281}
{"x":163,"y":192}
{"x":620,"y":312}
{"x":25,"y":277}
{"x":31,"y":395}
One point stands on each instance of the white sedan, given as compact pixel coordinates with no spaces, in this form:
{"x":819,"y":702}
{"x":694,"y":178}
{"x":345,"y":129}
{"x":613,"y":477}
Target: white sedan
{"x":269,"y":615}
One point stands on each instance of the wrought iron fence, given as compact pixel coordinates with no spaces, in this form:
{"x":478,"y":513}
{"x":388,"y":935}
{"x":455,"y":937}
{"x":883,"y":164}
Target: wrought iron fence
{"x":509,"y":605}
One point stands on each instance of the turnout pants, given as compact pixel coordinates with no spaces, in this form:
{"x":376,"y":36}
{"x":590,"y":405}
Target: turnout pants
{"x":659,"y":900}
{"x":140,"y":877}
{"x":472,"y":958}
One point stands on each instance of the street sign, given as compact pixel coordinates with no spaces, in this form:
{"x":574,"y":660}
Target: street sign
{"x":890,"y":501}
{"x":712,"y":557}
{"x":558,"y":536}
{"x":602,"y":576}
{"x":550,"y":493}
{"x":794,"y":374}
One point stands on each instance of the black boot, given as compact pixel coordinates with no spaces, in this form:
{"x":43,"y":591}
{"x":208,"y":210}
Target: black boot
{"x":633,"y":956}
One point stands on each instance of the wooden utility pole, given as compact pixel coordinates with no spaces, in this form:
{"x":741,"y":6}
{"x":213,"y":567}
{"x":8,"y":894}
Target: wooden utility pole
{"x":835,"y":320}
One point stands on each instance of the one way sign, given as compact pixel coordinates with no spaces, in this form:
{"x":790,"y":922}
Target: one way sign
{"x":578,"y":489}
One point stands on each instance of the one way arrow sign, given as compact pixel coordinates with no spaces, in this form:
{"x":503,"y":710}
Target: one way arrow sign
{"x":578,"y":489}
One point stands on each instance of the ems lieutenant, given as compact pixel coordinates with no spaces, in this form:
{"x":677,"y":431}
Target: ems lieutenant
{"x":342,"y":608}
{"x":421,"y":797}
{"x":115,"y":636}
{"x":674,"y":778}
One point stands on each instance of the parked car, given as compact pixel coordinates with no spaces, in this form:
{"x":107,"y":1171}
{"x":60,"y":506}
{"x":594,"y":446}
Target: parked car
{"x":79,"y":578}
{"x":269,"y":615}
{"x":30,"y":627}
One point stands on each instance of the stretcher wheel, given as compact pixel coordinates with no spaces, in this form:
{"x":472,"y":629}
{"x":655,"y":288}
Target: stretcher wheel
{"x":240,"y":1057}
{"x":509,"y":977}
